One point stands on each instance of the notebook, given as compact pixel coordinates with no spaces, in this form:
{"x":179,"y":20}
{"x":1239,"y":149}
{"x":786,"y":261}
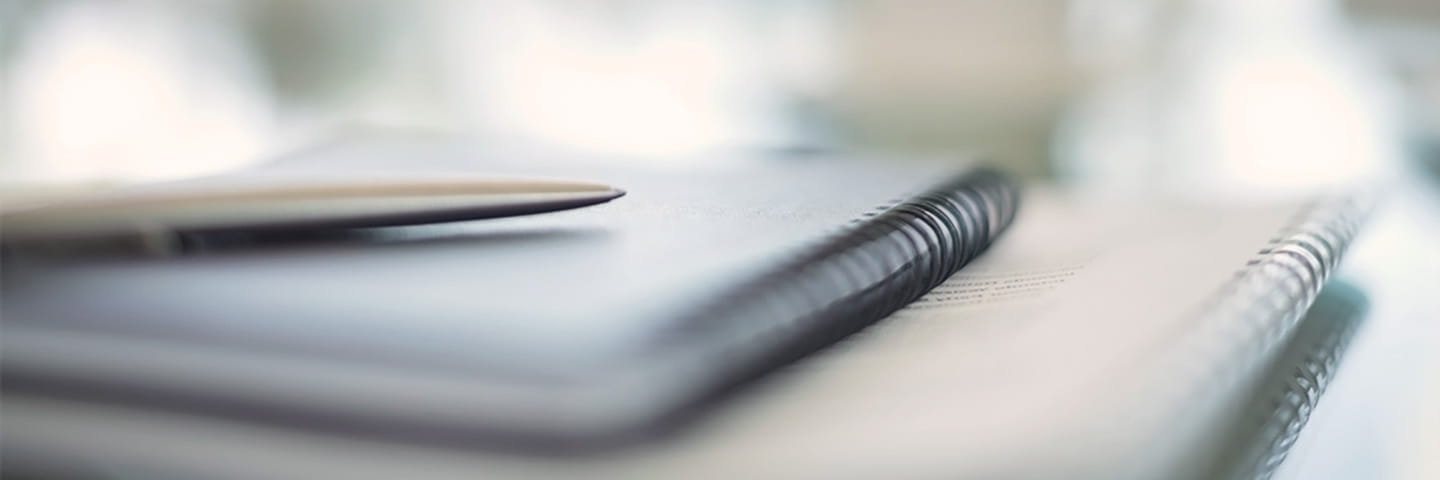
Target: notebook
{"x":1097,"y":337}
{"x":580,"y":328}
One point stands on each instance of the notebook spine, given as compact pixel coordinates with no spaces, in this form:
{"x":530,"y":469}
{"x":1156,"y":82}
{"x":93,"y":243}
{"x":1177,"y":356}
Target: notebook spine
{"x":1275,"y":289}
{"x":853,"y":277}
{"x":1265,"y":303}
{"x":1253,"y":315}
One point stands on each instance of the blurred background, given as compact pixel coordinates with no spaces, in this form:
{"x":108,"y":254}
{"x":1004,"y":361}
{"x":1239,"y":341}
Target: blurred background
{"x":1240,"y":97}
{"x":1193,"y":94}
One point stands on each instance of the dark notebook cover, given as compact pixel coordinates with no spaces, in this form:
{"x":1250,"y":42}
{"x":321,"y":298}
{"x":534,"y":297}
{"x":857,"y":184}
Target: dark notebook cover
{"x":571,"y":328}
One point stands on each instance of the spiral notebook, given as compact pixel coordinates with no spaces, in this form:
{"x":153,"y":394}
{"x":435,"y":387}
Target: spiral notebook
{"x":580,"y":328}
{"x":1095,"y":338}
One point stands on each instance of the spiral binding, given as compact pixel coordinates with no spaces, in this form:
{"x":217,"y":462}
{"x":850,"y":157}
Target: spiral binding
{"x":1302,"y":379}
{"x":1276,"y":288}
{"x":1257,"y":310}
{"x":850,"y":279}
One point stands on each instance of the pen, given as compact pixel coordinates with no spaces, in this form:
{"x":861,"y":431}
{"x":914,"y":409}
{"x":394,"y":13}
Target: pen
{"x":280,"y":204}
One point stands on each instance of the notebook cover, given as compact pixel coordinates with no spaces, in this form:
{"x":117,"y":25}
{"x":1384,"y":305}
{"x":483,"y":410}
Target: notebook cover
{"x":579,"y":328}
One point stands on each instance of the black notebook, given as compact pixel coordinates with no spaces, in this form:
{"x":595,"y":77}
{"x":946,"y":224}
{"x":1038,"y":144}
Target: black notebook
{"x":571,"y":328}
